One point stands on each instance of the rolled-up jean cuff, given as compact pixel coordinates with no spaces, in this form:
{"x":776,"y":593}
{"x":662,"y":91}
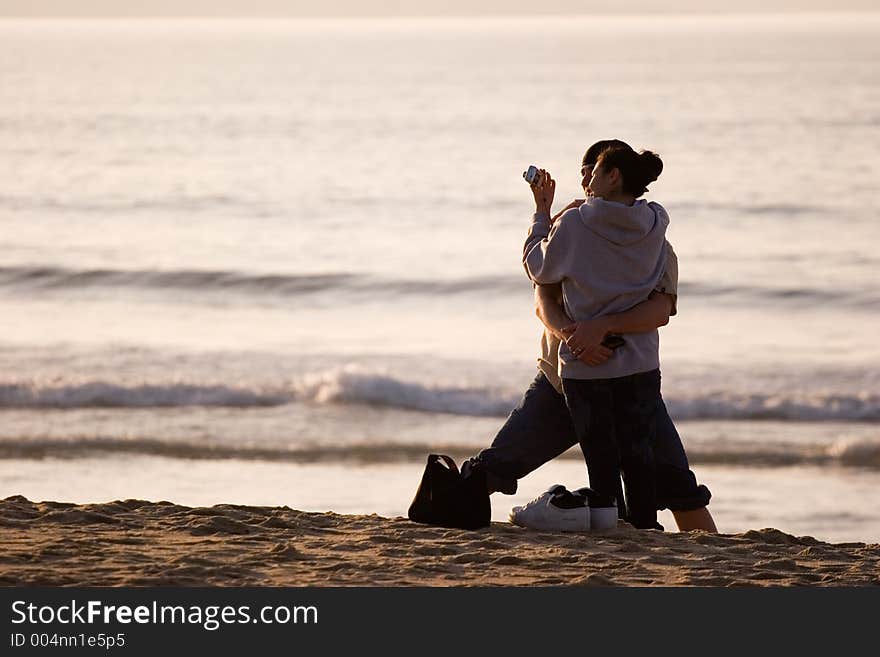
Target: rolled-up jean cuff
{"x":698,"y":500}
{"x":500,"y":484}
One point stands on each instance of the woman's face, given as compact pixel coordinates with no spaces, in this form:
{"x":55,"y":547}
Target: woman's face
{"x":601,"y":182}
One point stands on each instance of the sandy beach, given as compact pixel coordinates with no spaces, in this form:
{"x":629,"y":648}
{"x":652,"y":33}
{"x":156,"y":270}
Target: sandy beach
{"x":139,"y":543}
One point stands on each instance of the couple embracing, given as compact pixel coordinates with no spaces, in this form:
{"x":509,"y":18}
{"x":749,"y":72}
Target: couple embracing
{"x":605,"y":280}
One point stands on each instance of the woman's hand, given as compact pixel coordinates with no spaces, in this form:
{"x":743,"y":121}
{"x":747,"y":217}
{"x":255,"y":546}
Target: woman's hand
{"x":576,"y":203}
{"x":544,"y":191}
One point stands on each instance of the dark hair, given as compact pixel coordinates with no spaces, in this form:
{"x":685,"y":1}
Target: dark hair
{"x":594,"y":151}
{"x":638,"y":169}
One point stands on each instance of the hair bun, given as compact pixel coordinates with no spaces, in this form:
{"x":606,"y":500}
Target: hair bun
{"x":651,"y":165}
{"x":637,"y":169}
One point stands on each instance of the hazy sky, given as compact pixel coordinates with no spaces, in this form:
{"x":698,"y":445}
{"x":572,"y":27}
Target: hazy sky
{"x":404,"y":7}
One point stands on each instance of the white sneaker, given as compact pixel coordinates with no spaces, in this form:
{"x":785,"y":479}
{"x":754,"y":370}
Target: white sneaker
{"x":603,"y":510}
{"x":557,"y":510}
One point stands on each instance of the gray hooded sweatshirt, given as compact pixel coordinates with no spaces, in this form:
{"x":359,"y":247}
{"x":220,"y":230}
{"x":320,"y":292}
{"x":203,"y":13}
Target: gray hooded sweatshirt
{"x":608,"y":257}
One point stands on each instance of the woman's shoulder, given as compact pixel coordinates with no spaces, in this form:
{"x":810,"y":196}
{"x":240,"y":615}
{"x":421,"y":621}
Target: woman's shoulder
{"x":659,"y":211}
{"x":590,"y":207}
{"x":569,"y":218}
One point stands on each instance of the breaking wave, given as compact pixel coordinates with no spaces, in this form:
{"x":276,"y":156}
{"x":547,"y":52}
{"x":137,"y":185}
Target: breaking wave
{"x":219,"y":281}
{"x":842,"y":453}
{"x":354,"y":386}
{"x":33,"y":279}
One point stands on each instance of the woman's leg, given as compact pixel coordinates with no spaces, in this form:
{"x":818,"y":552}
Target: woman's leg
{"x":590,"y":404}
{"x":636,"y":402}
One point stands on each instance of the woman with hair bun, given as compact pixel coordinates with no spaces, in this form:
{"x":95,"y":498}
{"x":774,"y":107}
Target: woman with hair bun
{"x":623,"y":174}
{"x":539,"y":428}
{"x":608,"y":254}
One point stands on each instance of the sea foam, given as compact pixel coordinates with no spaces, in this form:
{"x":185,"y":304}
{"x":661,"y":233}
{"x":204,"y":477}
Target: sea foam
{"x":354,"y":385}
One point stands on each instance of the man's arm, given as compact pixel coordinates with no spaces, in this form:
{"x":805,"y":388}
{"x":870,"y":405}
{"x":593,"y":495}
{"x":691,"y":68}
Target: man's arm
{"x":584,"y":338}
{"x":550,"y":311}
{"x":646,"y":316}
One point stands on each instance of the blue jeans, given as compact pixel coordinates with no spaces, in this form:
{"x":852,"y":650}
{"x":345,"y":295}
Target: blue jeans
{"x":540,"y":428}
{"x":616,"y":422}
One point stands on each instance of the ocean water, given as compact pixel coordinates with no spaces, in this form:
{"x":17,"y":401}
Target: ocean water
{"x":278,"y":262}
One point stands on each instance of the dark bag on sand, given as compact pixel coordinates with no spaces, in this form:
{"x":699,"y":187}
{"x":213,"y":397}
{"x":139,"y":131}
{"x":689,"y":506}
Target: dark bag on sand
{"x":449,"y":498}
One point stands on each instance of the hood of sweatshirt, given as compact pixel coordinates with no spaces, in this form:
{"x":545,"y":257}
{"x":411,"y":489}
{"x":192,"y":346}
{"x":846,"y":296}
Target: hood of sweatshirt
{"x":623,"y":225}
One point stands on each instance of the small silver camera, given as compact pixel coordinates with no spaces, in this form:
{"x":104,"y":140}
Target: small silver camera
{"x":532,"y":175}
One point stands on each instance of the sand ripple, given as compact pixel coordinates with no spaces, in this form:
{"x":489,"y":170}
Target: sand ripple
{"x":139,"y":543}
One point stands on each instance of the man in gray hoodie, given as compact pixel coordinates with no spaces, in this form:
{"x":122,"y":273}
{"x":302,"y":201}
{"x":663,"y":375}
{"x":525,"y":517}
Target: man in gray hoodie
{"x":609,"y":254}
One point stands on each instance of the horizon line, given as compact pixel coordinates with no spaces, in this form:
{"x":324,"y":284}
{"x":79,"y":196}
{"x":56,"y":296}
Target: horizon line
{"x":788,"y":13}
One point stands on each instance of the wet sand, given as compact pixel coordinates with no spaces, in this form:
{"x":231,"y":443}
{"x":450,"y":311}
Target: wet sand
{"x":138,"y":543}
